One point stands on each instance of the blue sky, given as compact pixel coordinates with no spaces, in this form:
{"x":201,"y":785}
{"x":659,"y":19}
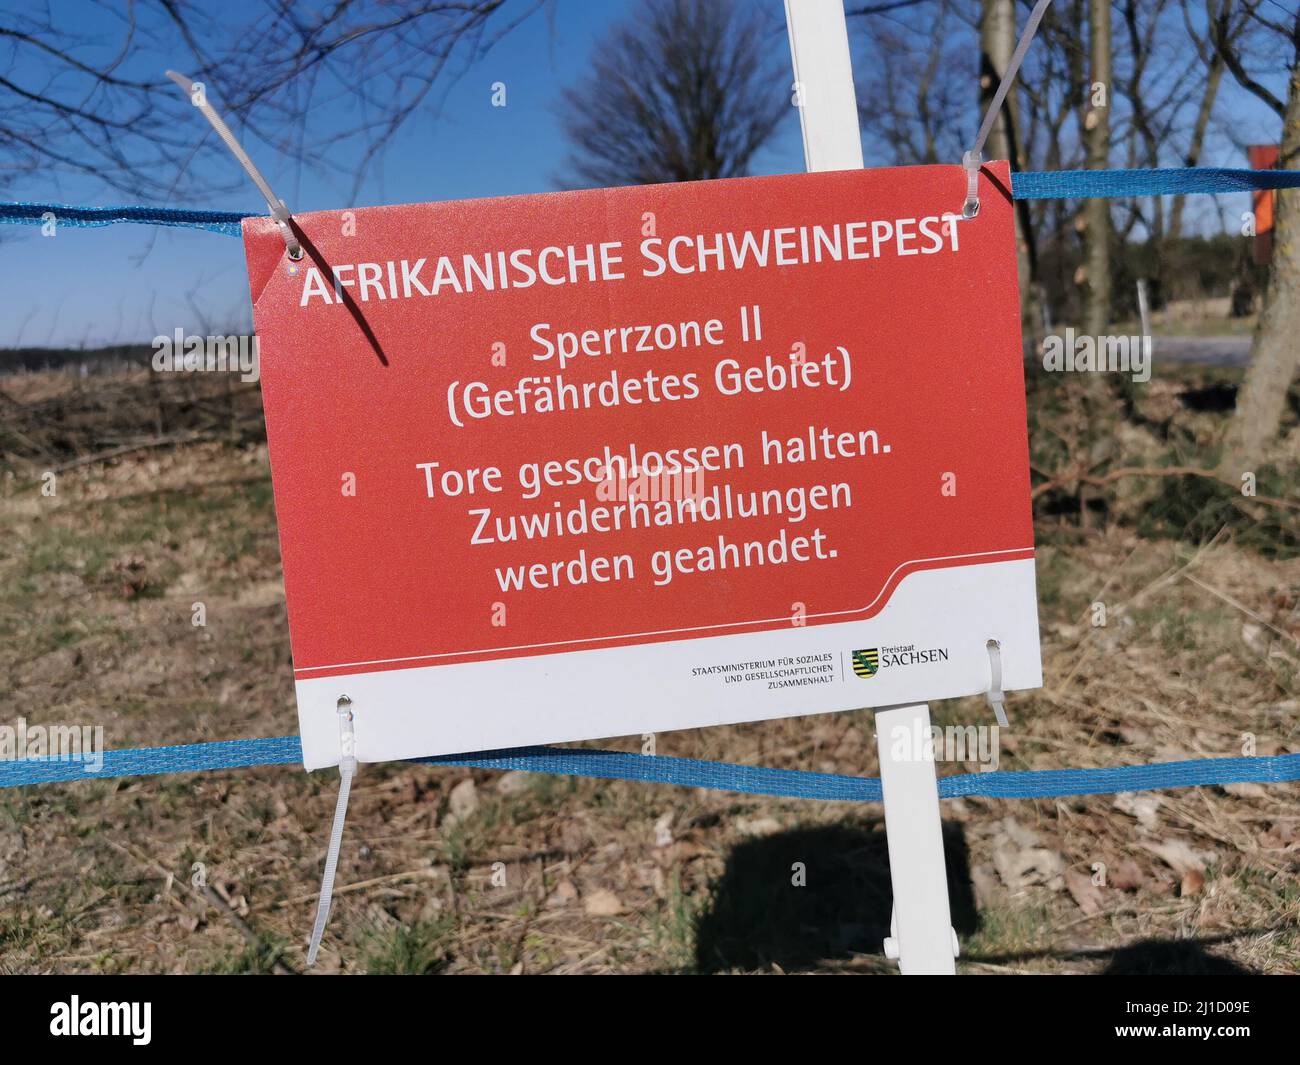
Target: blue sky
{"x":128,"y":283}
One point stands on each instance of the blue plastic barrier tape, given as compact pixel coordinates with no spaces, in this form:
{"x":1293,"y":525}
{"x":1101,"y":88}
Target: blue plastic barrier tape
{"x":149,"y":761}
{"x":687,"y":772}
{"x":684,"y":772}
{"x":660,"y":769}
{"x":1171,"y":181}
{"x":1054,"y":783}
{"x":227,"y":222}
{"x":1027,"y":185}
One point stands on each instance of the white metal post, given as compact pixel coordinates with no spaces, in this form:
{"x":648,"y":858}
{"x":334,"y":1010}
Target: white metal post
{"x":823,"y":84}
{"x":922,"y":938}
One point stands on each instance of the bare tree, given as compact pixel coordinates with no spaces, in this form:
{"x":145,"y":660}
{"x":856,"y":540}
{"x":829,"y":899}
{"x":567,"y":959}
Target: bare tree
{"x":1096,"y":212}
{"x":1053,"y":89}
{"x":1212,"y":60}
{"x":66,"y":109}
{"x":1158,"y":77}
{"x":997,"y":42}
{"x":683,"y":90}
{"x":1275,"y":350}
{"x":915,"y":72}
{"x":322,"y":85}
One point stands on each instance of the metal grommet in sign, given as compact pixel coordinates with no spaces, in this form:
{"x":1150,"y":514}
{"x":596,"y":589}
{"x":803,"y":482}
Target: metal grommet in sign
{"x":295,"y":253}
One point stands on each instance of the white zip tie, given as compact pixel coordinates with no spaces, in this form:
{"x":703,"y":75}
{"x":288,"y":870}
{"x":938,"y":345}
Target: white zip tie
{"x":279,"y":211}
{"x":347,"y":769}
{"x":995,"y":695}
{"x":974,"y":158}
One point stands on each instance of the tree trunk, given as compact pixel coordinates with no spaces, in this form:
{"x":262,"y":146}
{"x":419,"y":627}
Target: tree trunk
{"x":1275,"y":351}
{"x":997,"y":42}
{"x":1193,"y":157}
{"x":1096,"y":212}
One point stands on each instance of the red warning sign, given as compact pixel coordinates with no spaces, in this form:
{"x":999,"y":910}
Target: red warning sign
{"x":594,"y":463}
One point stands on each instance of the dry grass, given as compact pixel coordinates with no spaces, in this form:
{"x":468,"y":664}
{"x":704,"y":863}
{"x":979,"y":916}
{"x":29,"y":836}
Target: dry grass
{"x":448,"y":870}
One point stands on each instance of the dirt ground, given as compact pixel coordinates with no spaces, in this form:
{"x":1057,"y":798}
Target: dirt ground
{"x":452,"y":870}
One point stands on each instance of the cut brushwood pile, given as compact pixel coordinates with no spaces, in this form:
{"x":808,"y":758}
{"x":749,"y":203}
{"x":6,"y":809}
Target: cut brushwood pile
{"x":60,"y":420}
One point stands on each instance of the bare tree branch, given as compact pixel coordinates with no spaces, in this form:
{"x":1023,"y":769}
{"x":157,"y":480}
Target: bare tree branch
{"x":1222,"y":33}
{"x":329,"y":87}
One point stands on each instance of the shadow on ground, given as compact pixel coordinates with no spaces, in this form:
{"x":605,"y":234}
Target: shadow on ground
{"x":1171,"y":957}
{"x":757,"y":916}
{"x":1147,"y":957}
